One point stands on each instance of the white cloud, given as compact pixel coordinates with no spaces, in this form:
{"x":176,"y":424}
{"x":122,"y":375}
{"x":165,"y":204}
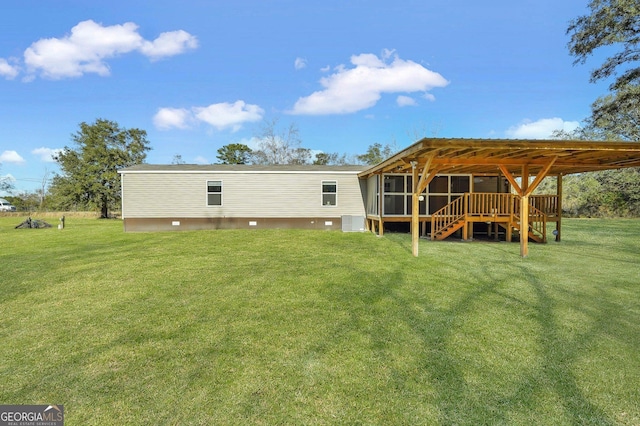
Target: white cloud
{"x":348,"y":90}
{"x":403,"y":101}
{"x":11,"y":157}
{"x":226,"y":115}
{"x":167,"y":118}
{"x":46,"y":154}
{"x":300,"y":63}
{"x":90,"y":44}
{"x":252,"y":142}
{"x":7,"y":70}
{"x":540,"y":129}
{"x":169,"y":44}
{"x":221,"y":116}
{"x":201,"y":160}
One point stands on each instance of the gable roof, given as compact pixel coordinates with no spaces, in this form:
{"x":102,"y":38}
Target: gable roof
{"x":456,"y":155}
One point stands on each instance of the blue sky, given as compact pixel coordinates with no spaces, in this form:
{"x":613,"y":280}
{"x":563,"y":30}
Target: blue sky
{"x":197,"y":74}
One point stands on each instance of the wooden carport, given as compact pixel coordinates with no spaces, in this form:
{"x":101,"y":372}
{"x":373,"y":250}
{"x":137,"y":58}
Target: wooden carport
{"x":515,"y":159}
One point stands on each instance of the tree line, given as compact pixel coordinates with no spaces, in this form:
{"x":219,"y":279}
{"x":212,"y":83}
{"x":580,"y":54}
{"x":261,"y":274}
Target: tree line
{"x":89,"y":177}
{"x":277,"y":145}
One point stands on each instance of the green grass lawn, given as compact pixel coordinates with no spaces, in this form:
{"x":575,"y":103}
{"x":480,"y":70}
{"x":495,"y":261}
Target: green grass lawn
{"x":313,"y":327}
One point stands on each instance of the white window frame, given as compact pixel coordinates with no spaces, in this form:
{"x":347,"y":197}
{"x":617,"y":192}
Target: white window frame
{"x":209,"y":193}
{"x":322,"y":192}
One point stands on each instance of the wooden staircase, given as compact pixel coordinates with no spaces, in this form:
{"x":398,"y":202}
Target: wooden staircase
{"x":448,"y":219}
{"x":537,"y":225}
{"x":503,"y":209}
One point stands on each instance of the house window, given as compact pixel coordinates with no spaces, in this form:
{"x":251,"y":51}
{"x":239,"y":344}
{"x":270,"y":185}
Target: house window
{"x":329,"y":193}
{"x":214,"y":193}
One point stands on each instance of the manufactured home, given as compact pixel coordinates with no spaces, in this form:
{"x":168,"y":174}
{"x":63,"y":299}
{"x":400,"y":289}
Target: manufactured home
{"x":435,"y":187}
{"x":219,"y":196}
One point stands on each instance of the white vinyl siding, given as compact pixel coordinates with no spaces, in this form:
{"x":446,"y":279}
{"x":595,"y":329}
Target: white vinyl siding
{"x":270,"y":195}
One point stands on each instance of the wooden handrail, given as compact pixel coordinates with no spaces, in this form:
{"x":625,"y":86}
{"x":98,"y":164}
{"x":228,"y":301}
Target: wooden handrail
{"x":494,"y":205}
{"x":488,"y":203}
{"x":537,"y":222}
{"x":548,"y":204}
{"x":447,"y":215}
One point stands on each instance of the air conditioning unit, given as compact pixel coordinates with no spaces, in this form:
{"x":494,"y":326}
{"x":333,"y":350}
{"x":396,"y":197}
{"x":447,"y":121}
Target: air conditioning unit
{"x":352,"y":223}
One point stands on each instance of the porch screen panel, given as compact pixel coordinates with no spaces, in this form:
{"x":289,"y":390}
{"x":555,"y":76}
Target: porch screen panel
{"x":394,"y":194}
{"x":394,"y":204}
{"x":373,"y":195}
{"x":436,"y":202}
{"x":460,"y":184}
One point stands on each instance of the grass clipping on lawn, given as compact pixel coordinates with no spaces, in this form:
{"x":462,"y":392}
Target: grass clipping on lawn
{"x":312,"y":327}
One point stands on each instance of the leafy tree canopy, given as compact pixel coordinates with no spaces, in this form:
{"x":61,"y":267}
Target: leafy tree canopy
{"x":234,"y":153}
{"x":89,"y":170}
{"x":332,"y":159}
{"x":376,"y":153}
{"x":612,"y":23}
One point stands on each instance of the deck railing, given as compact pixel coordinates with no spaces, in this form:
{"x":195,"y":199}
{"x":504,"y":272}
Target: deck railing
{"x":449,"y":214}
{"x":495,"y":205}
{"x":548,"y":204}
{"x":538,"y":222}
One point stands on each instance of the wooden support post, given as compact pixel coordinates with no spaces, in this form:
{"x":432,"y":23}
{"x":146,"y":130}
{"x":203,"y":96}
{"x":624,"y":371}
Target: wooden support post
{"x":418,"y":186}
{"x":524,"y":213}
{"x":415,"y":209}
{"x":468,"y":226}
{"x":559,"y":212}
{"x":524,"y":226}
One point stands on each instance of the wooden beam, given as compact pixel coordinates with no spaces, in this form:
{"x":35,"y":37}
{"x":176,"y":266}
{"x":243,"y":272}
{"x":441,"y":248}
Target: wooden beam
{"x":511,"y":179}
{"x":524,"y":181}
{"x":423,"y":178}
{"x":541,"y":175}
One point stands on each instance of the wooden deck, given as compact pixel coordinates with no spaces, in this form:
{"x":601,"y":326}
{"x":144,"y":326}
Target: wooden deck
{"x":500,"y":210}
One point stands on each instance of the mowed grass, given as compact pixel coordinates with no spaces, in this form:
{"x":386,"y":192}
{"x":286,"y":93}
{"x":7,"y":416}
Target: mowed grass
{"x":311,"y":327}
